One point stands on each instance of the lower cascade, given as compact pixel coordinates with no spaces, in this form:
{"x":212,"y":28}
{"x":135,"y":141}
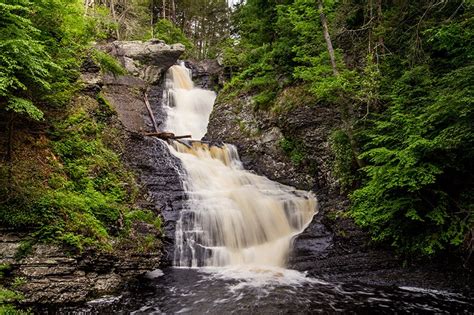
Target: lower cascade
{"x":232,"y":217}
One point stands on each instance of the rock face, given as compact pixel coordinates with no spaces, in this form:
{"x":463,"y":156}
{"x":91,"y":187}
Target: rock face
{"x":147,"y":60}
{"x":53,"y":277}
{"x":158,"y":171}
{"x":260,"y":136}
{"x":207,"y":74}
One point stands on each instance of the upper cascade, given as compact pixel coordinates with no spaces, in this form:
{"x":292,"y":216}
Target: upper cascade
{"x":188,"y":108}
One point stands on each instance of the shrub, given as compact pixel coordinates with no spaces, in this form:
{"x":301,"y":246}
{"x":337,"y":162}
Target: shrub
{"x":169,"y":33}
{"x":108,"y":63}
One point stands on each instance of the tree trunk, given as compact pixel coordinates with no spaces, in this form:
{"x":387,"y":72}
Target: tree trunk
{"x":150,"y":112}
{"x":327,"y":37}
{"x":114,"y":16}
{"x":380,"y":21}
{"x":173,"y":10}
{"x":345,"y":107}
{"x":163,"y":10}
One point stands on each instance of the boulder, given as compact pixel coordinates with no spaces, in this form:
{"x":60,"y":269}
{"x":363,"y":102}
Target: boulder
{"x":146,"y":60}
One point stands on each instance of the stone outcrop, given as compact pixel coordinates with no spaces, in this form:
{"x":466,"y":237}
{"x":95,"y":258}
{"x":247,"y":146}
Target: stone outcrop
{"x":48,"y":274}
{"x":158,"y":171}
{"x":147,"y":60}
{"x":332,"y":247}
{"x":207,"y":74}
{"x":259,"y":136}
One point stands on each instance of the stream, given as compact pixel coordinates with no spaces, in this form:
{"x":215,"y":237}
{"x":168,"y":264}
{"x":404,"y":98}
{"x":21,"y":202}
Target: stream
{"x":226,"y":291}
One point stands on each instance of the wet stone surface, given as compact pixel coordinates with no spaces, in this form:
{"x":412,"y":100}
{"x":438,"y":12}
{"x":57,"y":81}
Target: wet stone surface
{"x":191,"y":291}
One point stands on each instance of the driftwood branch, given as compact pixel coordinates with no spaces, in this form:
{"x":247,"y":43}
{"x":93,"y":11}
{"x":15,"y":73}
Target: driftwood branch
{"x":150,"y":112}
{"x":166,"y":135}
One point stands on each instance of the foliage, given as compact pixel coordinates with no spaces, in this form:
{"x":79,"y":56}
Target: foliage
{"x":107,"y":63}
{"x":344,"y":163}
{"x":201,"y":25}
{"x":168,"y":32}
{"x":39,"y":42}
{"x":417,"y":193}
{"x":146,"y":216}
{"x":294,"y":150}
{"x":24,"y":62}
{"x":84,"y":191}
{"x":7,"y":297}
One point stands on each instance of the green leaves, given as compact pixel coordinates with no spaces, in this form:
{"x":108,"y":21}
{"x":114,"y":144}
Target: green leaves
{"x":419,"y":155}
{"x":24,"y":63}
{"x":404,"y":91}
{"x":39,"y":46}
{"x":25,"y":107}
{"x":168,"y":32}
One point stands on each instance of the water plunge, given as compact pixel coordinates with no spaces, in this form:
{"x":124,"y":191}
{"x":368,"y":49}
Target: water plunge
{"x":187,"y":108}
{"x":233,"y":217}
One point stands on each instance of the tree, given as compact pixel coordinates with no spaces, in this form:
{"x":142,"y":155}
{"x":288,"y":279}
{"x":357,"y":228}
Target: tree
{"x":24,"y":63}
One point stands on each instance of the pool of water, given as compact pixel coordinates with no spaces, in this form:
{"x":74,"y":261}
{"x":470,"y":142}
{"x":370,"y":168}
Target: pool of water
{"x":267,"y":291}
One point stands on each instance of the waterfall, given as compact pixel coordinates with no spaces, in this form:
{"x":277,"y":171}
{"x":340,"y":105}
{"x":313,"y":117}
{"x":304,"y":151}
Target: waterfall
{"x":233,"y":217}
{"x":188,"y":108}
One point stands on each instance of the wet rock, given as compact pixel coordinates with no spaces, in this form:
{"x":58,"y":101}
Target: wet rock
{"x":332,"y":247}
{"x":51,"y":275}
{"x":258,"y":136}
{"x":91,"y":78}
{"x":207,"y":74}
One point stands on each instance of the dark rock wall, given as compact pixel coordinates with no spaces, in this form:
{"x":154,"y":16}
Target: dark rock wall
{"x":258,"y":135}
{"x":159,"y":172}
{"x":207,"y":74}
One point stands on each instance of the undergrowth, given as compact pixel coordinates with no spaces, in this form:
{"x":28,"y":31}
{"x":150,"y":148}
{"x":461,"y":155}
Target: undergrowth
{"x":68,"y":187}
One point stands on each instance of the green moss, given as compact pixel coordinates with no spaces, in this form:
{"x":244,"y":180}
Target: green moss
{"x":24,"y":249}
{"x":335,"y":215}
{"x":344,"y":164}
{"x":293,"y":97}
{"x":146,"y":216}
{"x":7,"y":299}
{"x":105,"y":110}
{"x":294,"y":149}
{"x":18,"y":282}
{"x":107,"y":63}
{"x":79,"y":196}
{"x":264,"y":100}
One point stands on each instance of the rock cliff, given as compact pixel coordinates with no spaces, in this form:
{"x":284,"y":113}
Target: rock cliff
{"x":48,"y":273}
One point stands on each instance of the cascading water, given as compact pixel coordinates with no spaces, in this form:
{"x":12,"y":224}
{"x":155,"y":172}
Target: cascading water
{"x":188,"y":108}
{"x":233,"y":217}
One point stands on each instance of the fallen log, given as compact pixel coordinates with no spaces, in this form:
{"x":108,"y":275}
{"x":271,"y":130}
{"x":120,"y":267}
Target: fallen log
{"x":166,"y":135}
{"x":150,"y":112}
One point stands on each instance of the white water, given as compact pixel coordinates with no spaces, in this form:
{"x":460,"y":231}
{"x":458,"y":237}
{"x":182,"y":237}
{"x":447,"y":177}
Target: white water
{"x":233,"y":217}
{"x":188,"y":108}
